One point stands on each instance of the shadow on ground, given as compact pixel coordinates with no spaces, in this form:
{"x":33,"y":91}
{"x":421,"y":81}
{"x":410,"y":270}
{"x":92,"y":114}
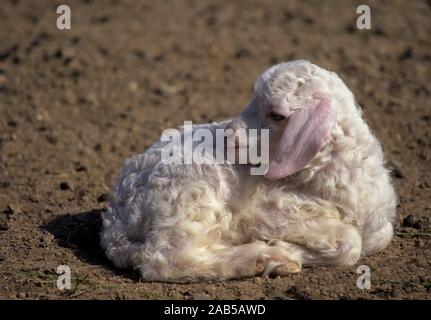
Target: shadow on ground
{"x":81,"y":233}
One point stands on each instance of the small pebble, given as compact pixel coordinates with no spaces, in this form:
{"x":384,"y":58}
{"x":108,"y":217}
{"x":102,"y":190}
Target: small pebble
{"x":412,"y":222}
{"x":103,"y":198}
{"x":3,"y":222}
{"x":396,"y":171}
{"x":80,"y":168}
{"x":5,"y":184}
{"x":64,"y":186}
{"x":12,"y":209}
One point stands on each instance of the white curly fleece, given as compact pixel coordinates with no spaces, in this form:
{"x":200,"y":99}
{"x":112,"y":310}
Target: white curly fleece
{"x":213,"y":222}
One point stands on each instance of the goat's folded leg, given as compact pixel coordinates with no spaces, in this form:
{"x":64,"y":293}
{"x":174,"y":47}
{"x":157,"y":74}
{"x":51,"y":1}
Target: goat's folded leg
{"x":215,"y":262}
{"x":257,"y":258}
{"x":377,"y":240}
{"x":323,"y":242}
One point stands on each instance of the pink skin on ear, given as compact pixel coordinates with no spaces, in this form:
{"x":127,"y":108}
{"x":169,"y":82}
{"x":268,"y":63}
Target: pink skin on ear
{"x":305,"y":134}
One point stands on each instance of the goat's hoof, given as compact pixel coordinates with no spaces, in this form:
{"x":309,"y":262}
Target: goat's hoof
{"x":261,"y":266}
{"x":286,"y":269}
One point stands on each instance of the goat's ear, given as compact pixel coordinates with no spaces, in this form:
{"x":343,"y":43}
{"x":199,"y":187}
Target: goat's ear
{"x":306,"y":132}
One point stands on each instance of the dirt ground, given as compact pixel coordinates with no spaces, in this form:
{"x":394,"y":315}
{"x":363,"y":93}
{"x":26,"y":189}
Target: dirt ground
{"x":74,"y":104}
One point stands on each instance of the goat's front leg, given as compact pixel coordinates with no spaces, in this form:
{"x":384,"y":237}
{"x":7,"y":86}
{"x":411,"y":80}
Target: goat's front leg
{"x":256,"y":258}
{"x":323,"y":242}
{"x":194,"y":264}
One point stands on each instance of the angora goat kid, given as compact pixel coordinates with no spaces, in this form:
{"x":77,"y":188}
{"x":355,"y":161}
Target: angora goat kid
{"x":325,"y":199}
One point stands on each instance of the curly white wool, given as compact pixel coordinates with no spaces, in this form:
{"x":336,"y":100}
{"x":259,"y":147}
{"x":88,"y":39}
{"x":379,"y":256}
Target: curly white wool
{"x":200,"y":222}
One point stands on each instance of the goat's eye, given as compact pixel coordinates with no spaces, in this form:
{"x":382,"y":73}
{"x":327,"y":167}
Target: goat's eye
{"x":277,"y":117}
